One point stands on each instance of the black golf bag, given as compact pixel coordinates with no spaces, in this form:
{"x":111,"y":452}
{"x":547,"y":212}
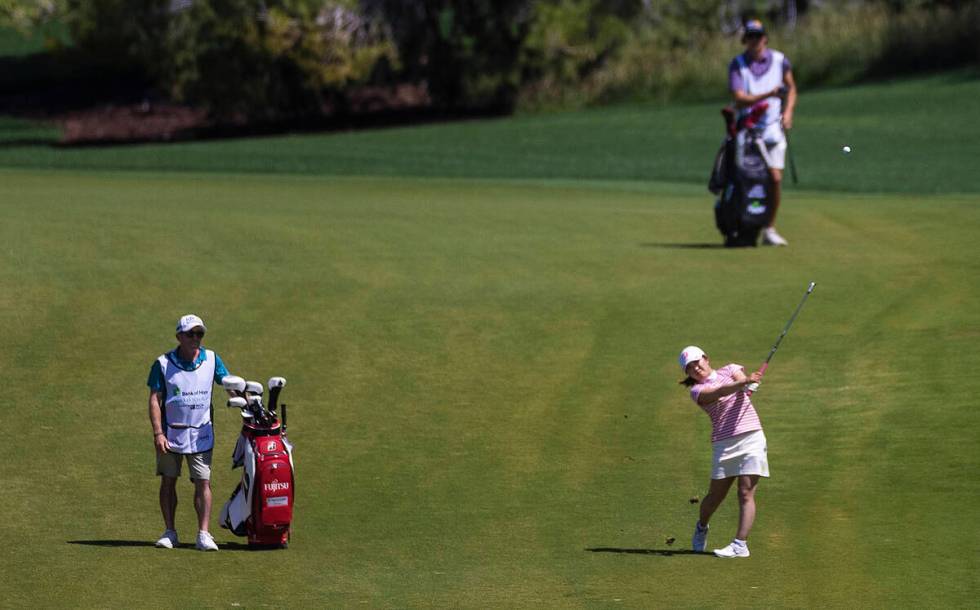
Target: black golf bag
{"x":740,"y":178}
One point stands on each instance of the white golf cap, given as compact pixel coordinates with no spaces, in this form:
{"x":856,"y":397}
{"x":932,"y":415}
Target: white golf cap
{"x":691,"y":353}
{"x":188,"y":322}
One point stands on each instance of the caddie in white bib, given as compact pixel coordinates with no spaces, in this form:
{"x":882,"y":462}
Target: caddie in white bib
{"x":755,"y":84}
{"x":180,"y":413}
{"x":187,"y":407}
{"x":764,"y":75}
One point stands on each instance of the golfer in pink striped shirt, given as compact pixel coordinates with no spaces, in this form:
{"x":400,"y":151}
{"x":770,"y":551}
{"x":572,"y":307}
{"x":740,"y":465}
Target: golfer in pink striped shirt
{"x":737,"y":440}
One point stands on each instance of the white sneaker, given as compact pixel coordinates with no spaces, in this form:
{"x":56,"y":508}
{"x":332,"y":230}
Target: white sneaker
{"x":700,"y":539}
{"x":771,"y":238}
{"x":733,"y":550}
{"x":168,"y":540}
{"x":205,"y":542}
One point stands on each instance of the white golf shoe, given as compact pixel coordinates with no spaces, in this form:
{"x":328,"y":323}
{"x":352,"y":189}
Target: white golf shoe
{"x":771,"y":238}
{"x":700,"y":539}
{"x":168,"y":540}
{"x":205,"y":542}
{"x":733,"y":550}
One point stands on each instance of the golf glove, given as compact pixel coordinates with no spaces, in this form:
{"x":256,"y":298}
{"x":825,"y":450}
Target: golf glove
{"x":752,"y":387}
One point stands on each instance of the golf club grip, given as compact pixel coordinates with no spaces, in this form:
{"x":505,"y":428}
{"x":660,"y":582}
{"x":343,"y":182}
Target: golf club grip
{"x":762,"y":371}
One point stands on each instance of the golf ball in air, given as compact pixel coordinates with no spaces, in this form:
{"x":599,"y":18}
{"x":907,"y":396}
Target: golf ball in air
{"x":846,"y":149}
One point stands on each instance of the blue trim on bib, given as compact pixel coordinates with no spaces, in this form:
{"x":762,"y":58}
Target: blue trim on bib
{"x":156,"y":382}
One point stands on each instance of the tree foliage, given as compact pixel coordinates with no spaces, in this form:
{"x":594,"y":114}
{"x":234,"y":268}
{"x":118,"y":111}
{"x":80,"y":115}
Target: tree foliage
{"x":270,"y":59}
{"x":124,"y":30}
{"x":466,"y":51}
{"x":569,"y":38}
{"x":253,"y":59}
{"x":25,"y":15}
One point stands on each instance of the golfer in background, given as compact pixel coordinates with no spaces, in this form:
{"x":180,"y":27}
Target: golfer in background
{"x":737,"y":440}
{"x":764,"y":74}
{"x":180,"y":413}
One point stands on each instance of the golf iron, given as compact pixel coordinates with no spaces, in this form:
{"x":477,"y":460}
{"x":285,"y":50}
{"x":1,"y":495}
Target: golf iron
{"x":772,"y":352}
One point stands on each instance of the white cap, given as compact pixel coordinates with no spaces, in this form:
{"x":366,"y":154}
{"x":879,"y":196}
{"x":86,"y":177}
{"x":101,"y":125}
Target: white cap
{"x":188,"y":322}
{"x":691,"y":353}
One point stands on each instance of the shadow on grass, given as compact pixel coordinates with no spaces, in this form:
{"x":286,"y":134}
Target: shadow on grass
{"x":682,"y":246}
{"x":660,"y":552}
{"x":238,"y":546}
{"x":224,"y":546}
{"x":118,"y":543}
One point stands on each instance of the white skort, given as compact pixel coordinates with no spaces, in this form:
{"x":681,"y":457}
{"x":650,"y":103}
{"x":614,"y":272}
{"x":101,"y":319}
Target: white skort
{"x":775,"y":139}
{"x":741,"y":454}
{"x":777,"y":155}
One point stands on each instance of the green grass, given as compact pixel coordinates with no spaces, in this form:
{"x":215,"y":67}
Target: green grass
{"x":24,"y":135}
{"x":916,"y":136}
{"x":481,"y":357}
{"x":483,"y":386}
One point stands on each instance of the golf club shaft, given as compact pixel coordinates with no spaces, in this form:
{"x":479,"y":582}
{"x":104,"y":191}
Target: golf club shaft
{"x":783,"y":95}
{"x":775,"y":346}
{"x":765,"y":365}
{"x":792,"y":161}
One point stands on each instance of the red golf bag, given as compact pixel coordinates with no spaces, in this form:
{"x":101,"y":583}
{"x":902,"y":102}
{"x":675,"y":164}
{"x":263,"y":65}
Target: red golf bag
{"x":261,"y":507}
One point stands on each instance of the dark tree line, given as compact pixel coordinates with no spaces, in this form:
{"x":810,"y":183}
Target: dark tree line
{"x":269,"y":59}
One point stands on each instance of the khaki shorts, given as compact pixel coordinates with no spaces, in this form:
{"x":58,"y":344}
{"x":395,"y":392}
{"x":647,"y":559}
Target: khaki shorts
{"x":199,"y":464}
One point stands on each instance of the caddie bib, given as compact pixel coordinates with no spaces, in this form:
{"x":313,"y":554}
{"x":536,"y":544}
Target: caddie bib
{"x":187,"y":409}
{"x":769,"y":80}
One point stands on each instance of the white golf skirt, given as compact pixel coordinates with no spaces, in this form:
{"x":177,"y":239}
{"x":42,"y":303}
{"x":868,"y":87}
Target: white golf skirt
{"x":741,"y":454}
{"x":776,"y":144}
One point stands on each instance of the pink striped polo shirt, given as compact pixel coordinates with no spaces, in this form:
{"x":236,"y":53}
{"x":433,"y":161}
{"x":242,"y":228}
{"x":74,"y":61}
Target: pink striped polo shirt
{"x":730,"y":415}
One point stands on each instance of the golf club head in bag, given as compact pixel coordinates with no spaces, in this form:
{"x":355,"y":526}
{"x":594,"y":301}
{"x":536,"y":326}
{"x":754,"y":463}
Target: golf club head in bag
{"x":241,"y":403}
{"x":751,"y":118}
{"x":233,"y":384}
{"x":256,"y":408}
{"x":721,"y":171}
{"x":275,"y":386}
{"x":728,"y":114}
{"x":253,"y":392}
{"x":740,"y":179}
{"x":261,"y":507}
